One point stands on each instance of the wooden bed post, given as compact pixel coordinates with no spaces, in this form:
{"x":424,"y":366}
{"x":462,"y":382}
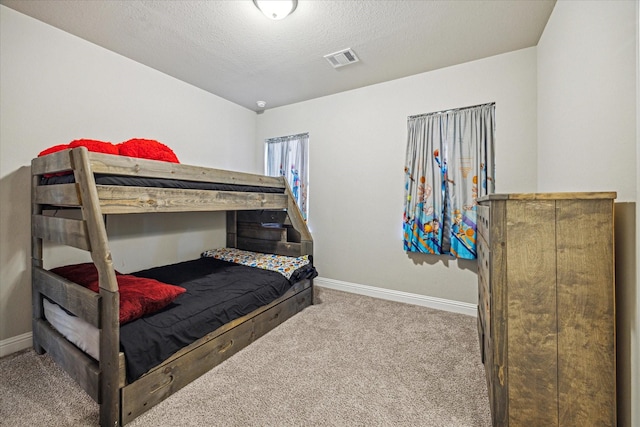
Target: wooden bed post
{"x":36,"y":261}
{"x":110,"y":299}
{"x":109,"y":349}
{"x":232,"y":229}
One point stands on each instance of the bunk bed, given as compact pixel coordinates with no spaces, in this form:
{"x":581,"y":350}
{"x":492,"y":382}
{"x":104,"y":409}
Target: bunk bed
{"x":261,"y":216}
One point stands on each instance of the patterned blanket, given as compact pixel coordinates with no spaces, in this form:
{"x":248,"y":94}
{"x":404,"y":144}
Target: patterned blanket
{"x":284,"y":265}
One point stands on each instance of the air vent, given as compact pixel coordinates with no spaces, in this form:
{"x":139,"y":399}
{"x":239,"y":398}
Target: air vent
{"x":342,"y":58}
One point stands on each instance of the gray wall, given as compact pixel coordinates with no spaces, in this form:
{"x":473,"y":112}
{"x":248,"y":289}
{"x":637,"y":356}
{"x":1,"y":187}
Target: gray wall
{"x":357,"y":152}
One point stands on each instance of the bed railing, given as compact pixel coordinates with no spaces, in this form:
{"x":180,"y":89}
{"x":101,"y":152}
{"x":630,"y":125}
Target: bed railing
{"x":62,"y":161}
{"x":114,"y":199}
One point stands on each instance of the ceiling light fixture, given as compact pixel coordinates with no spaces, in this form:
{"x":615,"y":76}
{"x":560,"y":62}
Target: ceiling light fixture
{"x":276,"y":9}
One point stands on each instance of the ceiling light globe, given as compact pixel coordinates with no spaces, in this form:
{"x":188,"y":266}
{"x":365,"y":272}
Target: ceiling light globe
{"x":276,"y":9}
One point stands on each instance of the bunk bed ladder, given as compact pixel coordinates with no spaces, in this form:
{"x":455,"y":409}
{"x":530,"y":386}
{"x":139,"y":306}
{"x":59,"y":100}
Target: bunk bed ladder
{"x":101,"y":380}
{"x":110,"y":300}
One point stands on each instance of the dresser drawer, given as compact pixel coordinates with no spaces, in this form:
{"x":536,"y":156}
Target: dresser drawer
{"x":484,"y":284}
{"x":480,"y":324}
{"x":482,"y":221}
{"x":483,"y":325}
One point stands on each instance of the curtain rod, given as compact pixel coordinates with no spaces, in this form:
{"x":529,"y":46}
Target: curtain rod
{"x":286,"y":138}
{"x":450,"y":110}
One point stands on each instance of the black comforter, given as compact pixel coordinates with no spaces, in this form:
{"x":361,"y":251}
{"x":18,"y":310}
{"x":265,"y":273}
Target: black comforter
{"x":217,"y":293}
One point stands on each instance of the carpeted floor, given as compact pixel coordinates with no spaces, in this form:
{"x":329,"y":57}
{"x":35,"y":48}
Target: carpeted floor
{"x":349,"y":360}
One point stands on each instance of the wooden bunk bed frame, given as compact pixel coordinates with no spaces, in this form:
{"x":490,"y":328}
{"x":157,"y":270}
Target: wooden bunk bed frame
{"x":247,"y":214}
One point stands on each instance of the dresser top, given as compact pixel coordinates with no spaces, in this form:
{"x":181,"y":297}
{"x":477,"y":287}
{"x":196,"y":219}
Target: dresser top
{"x":549,"y":196}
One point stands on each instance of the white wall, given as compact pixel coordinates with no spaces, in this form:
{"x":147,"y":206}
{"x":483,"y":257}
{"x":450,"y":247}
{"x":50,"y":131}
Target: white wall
{"x":586,"y":99}
{"x":587,"y":141}
{"x":55,"y":88}
{"x":357,"y":152}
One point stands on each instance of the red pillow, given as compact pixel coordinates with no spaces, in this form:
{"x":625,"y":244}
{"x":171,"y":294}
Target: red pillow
{"x":82,"y":274}
{"x":147,"y":149}
{"x":95,"y":146}
{"x":54,"y":149}
{"x":138,"y":295}
{"x":91,"y":144}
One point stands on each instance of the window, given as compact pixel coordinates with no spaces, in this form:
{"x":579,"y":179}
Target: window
{"x":449,"y":164}
{"x":288,"y":156}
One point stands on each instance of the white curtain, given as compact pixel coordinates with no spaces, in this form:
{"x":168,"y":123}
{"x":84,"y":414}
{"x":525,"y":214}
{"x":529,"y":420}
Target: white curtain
{"x":288,"y":156}
{"x":449,"y":164}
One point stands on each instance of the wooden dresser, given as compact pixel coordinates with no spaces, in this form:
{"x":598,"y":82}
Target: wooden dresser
{"x":546,"y":309}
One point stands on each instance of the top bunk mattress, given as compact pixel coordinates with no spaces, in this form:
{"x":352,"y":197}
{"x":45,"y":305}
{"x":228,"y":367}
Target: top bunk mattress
{"x":134,"y":181}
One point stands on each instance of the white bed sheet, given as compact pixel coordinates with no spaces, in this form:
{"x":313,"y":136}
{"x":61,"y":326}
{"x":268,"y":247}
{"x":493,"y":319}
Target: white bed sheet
{"x":82,"y":334}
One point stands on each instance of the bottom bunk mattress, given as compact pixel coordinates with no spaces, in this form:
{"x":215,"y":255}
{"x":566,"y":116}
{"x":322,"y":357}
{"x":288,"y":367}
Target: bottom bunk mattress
{"x":217,"y":292}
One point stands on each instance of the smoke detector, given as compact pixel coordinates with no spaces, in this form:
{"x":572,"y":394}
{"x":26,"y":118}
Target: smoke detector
{"x":342,"y":58}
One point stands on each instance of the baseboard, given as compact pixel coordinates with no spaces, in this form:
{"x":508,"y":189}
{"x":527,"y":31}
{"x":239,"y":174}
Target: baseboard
{"x":399,"y":296}
{"x":15,"y":344}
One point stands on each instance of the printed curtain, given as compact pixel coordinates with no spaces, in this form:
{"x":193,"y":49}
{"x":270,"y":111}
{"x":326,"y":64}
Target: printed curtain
{"x":288,"y":156}
{"x":449,"y":164}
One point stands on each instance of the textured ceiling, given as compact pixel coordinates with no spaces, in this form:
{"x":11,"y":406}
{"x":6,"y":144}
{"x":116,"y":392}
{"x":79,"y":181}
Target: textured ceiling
{"x":230,"y":49}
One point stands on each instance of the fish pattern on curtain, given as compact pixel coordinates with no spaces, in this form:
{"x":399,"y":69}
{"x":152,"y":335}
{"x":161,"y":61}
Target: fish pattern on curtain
{"x":449,"y":164}
{"x":288,"y":156}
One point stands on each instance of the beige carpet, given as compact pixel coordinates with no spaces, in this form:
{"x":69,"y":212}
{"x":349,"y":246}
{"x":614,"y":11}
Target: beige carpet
{"x":349,"y":360}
